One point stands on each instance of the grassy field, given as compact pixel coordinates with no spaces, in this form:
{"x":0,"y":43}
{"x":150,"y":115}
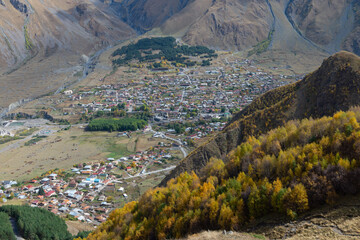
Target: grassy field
{"x":64,"y":149}
{"x":14,"y":201}
{"x":74,"y":227}
{"x":117,"y":149}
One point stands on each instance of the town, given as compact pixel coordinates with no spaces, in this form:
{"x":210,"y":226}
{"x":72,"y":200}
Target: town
{"x":211,"y":94}
{"x":89,"y":192}
{"x":182,"y":109}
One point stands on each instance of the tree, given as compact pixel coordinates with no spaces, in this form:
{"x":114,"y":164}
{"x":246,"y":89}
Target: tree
{"x":296,"y":199}
{"x":225,"y":217}
{"x":41,"y":191}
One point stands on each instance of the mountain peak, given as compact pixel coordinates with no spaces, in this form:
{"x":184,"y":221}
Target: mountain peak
{"x":342,"y":58}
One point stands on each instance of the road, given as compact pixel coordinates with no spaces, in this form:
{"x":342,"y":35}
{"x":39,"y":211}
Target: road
{"x":177,"y":141}
{"x":20,"y":142}
{"x":153,"y":172}
{"x":182,"y":96}
{"x":182,"y":149}
{"x":103,"y":186}
{"x":43,"y":128}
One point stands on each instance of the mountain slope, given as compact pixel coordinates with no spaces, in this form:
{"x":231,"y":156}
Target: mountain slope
{"x":231,"y":25}
{"x":333,"y":87}
{"x":145,"y":15}
{"x":285,"y":172}
{"x":352,"y":42}
{"x":31,"y":27}
{"x":325,"y":23}
{"x":223,"y":24}
{"x":311,"y":25}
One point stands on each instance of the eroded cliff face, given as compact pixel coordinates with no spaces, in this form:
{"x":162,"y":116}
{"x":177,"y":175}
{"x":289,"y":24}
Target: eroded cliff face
{"x":333,"y":87}
{"x":21,"y":7}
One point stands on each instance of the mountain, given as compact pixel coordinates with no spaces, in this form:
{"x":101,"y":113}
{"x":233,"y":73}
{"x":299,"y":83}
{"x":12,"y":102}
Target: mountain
{"x":280,"y":175}
{"x":145,"y":15}
{"x":324,"y":26}
{"x":334,"y":86}
{"x":330,"y":24}
{"x":40,"y":27}
{"x":222,"y":24}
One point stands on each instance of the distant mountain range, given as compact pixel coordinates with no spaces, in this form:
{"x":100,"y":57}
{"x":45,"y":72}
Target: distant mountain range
{"x":35,"y":27}
{"x":237,"y":25}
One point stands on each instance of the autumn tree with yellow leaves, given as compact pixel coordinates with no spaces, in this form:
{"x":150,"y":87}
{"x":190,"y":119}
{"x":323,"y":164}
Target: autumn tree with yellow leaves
{"x":287,"y":171}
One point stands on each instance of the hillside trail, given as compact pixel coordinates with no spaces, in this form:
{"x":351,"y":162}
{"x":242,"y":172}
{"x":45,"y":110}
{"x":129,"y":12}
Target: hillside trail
{"x":16,"y":230}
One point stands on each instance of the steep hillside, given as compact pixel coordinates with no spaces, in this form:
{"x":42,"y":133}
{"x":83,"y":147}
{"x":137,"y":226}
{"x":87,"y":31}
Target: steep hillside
{"x":352,"y":42}
{"x":302,"y":25}
{"x":220,"y":24}
{"x":326,"y":23}
{"x":333,"y":87}
{"x":35,"y":27}
{"x":232,"y":25}
{"x":145,"y":15}
{"x":285,"y":172}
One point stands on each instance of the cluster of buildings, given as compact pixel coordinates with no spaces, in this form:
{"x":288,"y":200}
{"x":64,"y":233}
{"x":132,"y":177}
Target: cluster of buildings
{"x":184,"y":96}
{"x":82,"y":193}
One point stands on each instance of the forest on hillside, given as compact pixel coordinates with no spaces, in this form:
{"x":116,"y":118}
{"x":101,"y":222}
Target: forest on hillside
{"x":33,"y":223}
{"x":165,"y":48}
{"x":6,"y":231}
{"x":286,"y":171}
